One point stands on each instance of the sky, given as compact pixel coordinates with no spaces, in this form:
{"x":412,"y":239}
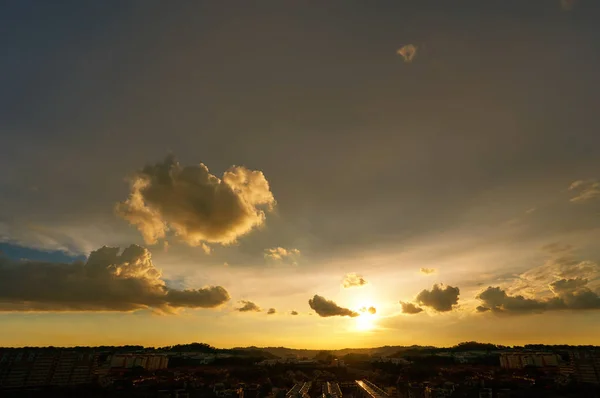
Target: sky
{"x":329,"y":175}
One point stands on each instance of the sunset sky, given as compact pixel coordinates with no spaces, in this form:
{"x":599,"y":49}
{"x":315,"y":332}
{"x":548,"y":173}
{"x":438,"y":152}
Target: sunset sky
{"x":304,"y":174}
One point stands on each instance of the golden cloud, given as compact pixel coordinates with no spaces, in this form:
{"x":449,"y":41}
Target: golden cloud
{"x":196,"y":205}
{"x":107,"y":281}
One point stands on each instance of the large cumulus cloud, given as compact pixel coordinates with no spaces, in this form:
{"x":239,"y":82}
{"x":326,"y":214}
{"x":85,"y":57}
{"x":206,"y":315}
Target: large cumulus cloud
{"x":327,"y":308}
{"x":440,"y":298}
{"x":196,"y":205}
{"x":107,"y":281}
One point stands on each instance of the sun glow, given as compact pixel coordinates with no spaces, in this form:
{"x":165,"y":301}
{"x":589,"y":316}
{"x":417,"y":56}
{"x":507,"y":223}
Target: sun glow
{"x":366,"y":321}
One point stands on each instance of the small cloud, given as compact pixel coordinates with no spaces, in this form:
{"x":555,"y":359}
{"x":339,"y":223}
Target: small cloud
{"x":529,"y":211}
{"x":281,"y":254}
{"x":166,"y":246}
{"x":408,"y":52}
{"x":372,"y":310}
{"x":428,"y":271}
{"x":410,"y":308}
{"x":326,"y":308}
{"x":568,"y":5}
{"x":353,"y":280}
{"x":248,"y":306}
{"x":294,"y":313}
{"x":271,"y":311}
{"x":225,"y":264}
{"x":585,"y":190}
{"x":206,"y":248}
{"x":440,"y":298}
{"x":481,"y":308}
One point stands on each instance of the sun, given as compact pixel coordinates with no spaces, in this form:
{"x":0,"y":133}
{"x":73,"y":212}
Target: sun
{"x":366,"y":321}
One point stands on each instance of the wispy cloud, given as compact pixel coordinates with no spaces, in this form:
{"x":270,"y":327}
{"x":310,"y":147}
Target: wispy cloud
{"x":428,"y":271}
{"x":557,"y":247}
{"x":568,"y":5}
{"x":569,"y":294}
{"x":585,"y":190}
{"x":282,"y":254}
{"x":562,"y":282}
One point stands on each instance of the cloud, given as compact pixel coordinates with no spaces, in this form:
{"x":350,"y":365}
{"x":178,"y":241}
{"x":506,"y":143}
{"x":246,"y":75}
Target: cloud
{"x":107,"y":281}
{"x":569,"y":294}
{"x":562,"y":286}
{"x":294,"y":313}
{"x":562,"y":282}
{"x":568,"y":5}
{"x":194,"y":204}
{"x":481,"y":308}
{"x":271,"y":311}
{"x":441,"y":299}
{"x":530,"y":211}
{"x":281,"y":254}
{"x":585,"y":190}
{"x":353,"y":280}
{"x":248,"y":306}
{"x":327,"y":308}
{"x":562,"y":264}
{"x":410,"y":308}
{"x":206,"y":248}
{"x":428,"y":271}
{"x":497,"y":300}
{"x":407,"y":52}
{"x":372,"y":310}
